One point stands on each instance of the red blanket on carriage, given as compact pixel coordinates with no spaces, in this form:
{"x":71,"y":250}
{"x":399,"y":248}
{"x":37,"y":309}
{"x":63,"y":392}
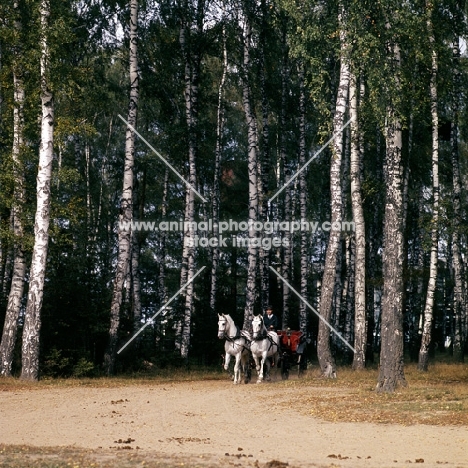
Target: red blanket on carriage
{"x":290,"y":339}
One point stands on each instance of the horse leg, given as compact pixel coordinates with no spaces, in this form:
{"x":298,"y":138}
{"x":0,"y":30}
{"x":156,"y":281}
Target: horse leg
{"x":267,"y":368}
{"x":257,"y":367}
{"x":260,"y":371}
{"x":245,"y":361}
{"x":237,"y":369}
{"x":227,"y":360}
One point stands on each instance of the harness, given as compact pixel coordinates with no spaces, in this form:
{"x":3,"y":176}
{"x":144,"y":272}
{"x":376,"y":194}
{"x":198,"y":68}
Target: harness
{"x":236,"y":337}
{"x":272,"y":343}
{"x":264,"y":335}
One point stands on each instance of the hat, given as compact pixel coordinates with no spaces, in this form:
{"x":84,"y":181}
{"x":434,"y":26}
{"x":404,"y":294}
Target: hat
{"x":269,"y":307}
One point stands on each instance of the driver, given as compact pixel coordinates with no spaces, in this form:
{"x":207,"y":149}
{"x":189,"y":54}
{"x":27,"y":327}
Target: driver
{"x":269,"y":319}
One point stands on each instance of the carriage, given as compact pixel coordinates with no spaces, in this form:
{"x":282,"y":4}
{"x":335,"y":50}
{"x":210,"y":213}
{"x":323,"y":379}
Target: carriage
{"x":263,"y":349}
{"x":293,"y":344}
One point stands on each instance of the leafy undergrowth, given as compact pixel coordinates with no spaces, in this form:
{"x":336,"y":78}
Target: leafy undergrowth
{"x":438,"y":397}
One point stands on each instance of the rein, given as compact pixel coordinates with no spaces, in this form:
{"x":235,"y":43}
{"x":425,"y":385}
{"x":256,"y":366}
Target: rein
{"x":272,"y":343}
{"x":237,"y":337}
{"x":263,"y":336}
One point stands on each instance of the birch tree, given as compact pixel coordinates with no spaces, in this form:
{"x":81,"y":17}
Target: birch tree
{"x":189,"y":42}
{"x":303,"y":200}
{"x":217,"y":173}
{"x":264,"y":40}
{"x":252,"y":138}
{"x":460,"y":314}
{"x":32,"y":317}
{"x":15,"y":297}
{"x":326,"y":360}
{"x":137,"y":240}
{"x":360,"y":322}
{"x":429,"y":307}
{"x":391,"y":373}
{"x":126,"y":202}
{"x":287,"y":211}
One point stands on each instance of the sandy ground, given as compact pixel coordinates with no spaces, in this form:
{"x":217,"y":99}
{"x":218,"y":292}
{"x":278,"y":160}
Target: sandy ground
{"x":221,"y":421}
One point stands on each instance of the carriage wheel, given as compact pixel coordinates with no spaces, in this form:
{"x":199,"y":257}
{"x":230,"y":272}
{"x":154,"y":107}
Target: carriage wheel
{"x":285,"y":367}
{"x":302,"y":364}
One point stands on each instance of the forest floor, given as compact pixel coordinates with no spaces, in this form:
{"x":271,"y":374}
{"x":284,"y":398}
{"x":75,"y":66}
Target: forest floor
{"x":212,"y":423}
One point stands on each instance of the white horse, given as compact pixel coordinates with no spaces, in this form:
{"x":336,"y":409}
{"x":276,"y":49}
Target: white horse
{"x":237,"y":345}
{"x":265,"y":344}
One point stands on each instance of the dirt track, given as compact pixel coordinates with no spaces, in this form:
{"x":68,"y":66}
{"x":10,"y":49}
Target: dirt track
{"x":216,"y":418}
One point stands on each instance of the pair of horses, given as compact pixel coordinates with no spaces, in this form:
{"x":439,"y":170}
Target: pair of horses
{"x":263,"y":344}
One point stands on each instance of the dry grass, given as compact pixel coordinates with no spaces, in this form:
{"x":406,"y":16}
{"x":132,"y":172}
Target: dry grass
{"x":438,"y":397}
{"x":160,"y":377}
{"x":24,"y":456}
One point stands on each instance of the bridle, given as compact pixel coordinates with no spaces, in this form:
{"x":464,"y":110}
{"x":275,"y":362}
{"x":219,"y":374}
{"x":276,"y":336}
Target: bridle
{"x":262,"y":333}
{"x":231,"y":339}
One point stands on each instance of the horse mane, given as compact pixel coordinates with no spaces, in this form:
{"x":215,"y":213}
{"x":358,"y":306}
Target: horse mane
{"x":232,"y":323}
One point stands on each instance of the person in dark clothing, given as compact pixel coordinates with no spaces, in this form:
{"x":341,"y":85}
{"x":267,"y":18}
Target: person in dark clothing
{"x":270,"y":319}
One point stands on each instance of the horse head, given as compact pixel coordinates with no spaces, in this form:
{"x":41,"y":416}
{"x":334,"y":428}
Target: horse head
{"x":258,"y":327}
{"x":222,"y":326}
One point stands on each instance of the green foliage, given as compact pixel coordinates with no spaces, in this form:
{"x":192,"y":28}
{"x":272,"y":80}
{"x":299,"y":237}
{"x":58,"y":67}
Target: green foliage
{"x":83,"y":368}
{"x":55,"y":364}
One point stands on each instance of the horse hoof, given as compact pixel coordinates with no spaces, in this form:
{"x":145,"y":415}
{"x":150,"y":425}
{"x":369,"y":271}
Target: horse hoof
{"x":259,"y":381}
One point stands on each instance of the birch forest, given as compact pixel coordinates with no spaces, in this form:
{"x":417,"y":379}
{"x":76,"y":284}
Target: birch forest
{"x":307,"y":154}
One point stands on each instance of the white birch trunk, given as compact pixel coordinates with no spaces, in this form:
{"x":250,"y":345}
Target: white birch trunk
{"x":287,"y":238}
{"x":126,"y":203}
{"x":431,"y":287}
{"x":216,"y":193}
{"x":458,"y":266}
{"x":265,"y":161}
{"x":136,"y":284}
{"x":32,"y":318}
{"x":360,"y":322}
{"x":350,"y":293}
{"x":162,"y":244}
{"x":303,"y":201}
{"x":341,"y":275}
{"x":159,"y":326}
{"x":191,"y":55}
{"x":250,"y":295}
{"x":326,"y":360}
{"x":15,"y":297}
{"x":8,"y":263}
